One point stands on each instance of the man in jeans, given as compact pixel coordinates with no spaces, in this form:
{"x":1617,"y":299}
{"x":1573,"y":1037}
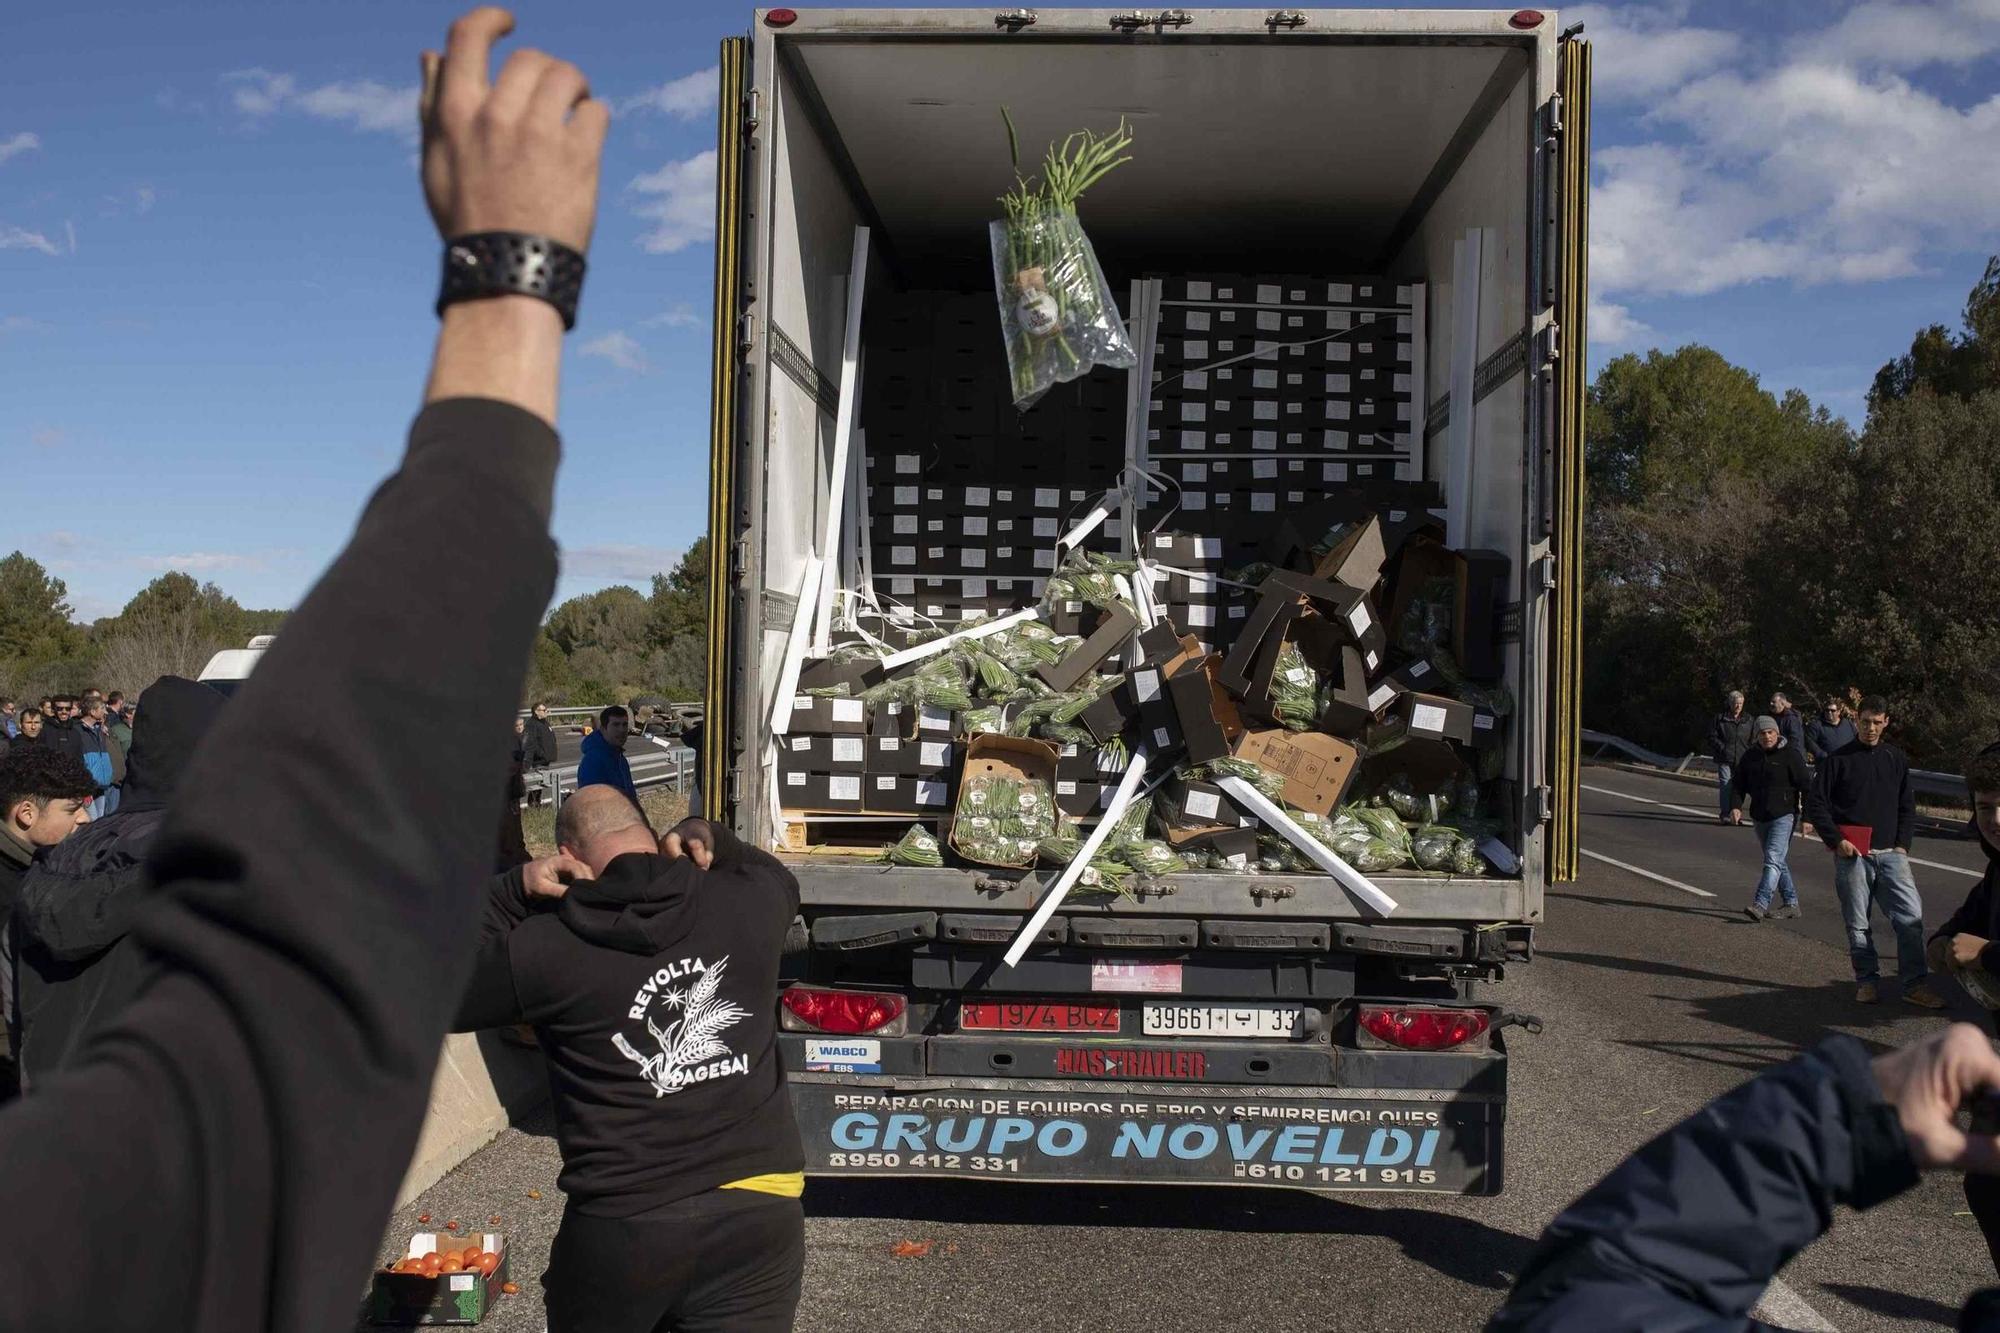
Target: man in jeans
{"x":1864,"y":810}
{"x":1728,"y":740}
{"x":1772,"y":777}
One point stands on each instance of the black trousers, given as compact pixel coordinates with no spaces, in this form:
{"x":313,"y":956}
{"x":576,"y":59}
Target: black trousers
{"x":728,"y":1261}
{"x":1982,"y":1195}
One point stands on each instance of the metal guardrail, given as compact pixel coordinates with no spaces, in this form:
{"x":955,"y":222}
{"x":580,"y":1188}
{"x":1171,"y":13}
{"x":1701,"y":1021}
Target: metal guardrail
{"x":557,"y":784}
{"x":1922,"y":781}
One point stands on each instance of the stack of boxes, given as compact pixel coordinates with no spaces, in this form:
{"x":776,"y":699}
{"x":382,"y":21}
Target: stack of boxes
{"x":966,"y":495}
{"x":841,"y":757}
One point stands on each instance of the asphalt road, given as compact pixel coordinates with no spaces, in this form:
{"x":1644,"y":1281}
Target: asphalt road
{"x":1655,"y":1000}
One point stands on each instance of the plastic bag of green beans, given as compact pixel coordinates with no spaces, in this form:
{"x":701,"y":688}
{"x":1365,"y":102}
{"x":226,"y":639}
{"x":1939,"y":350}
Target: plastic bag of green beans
{"x":918,"y":847}
{"x":1263,"y":779}
{"x":1383,"y":824}
{"x":1295,"y":690}
{"x":1150,"y":856}
{"x":1434,"y":847}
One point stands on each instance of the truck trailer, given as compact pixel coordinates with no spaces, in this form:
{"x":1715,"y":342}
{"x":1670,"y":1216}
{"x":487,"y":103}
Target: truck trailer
{"x":1406,"y":186}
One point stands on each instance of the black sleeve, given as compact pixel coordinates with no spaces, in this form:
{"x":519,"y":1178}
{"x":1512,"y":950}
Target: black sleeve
{"x":1906,"y":811}
{"x":1689,"y":1231}
{"x":1718,"y":745}
{"x":1819,"y":803}
{"x":1972,"y":914}
{"x":254,"y":1106}
{"x":491,"y":999}
{"x":78,"y":917}
{"x":1802,"y":779}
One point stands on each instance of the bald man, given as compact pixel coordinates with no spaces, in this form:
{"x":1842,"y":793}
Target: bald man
{"x":649,"y":970}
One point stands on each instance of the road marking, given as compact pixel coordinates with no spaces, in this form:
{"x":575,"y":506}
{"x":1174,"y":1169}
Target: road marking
{"x":1787,"y":1309}
{"x":1687,"y":810}
{"x":1670,"y":883}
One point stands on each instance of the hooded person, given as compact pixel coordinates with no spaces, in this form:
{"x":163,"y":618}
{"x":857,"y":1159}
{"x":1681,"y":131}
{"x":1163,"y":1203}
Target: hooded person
{"x":79,"y":899}
{"x":1967,"y":946}
{"x":651,"y":979}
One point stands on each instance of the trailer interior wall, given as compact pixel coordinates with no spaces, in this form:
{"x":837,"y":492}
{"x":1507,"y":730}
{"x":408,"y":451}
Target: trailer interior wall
{"x":805,"y":277}
{"x":1252,"y":152}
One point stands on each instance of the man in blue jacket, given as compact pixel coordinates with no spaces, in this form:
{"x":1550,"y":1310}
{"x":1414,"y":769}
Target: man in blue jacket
{"x":1689,"y":1231}
{"x":604,"y":763}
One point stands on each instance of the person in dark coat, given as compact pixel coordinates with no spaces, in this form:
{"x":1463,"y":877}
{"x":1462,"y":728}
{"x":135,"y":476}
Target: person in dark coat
{"x":1689,"y":1231}
{"x":79,"y":901}
{"x":1828,"y":732}
{"x":1772,"y":777}
{"x":1863,"y":808}
{"x":1791,"y":725}
{"x":538,"y":750}
{"x":1967,"y":946}
{"x":34,"y":730}
{"x":1728,"y":738}
{"x":44,"y":798}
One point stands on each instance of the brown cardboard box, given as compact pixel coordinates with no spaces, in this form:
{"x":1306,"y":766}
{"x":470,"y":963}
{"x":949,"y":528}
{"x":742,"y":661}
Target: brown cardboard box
{"x":1015,"y":757}
{"x":1208,"y":717}
{"x":1317,"y":768}
{"x":1357,"y":559}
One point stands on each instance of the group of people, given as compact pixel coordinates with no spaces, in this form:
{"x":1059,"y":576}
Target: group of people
{"x":1835,"y":778}
{"x":94,"y":726}
{"x":277,"y":929}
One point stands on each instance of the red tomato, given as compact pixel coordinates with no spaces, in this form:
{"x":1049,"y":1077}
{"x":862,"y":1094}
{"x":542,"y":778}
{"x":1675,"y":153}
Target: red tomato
{"x":452,"y":1265}
{"x":487,"y":1262}
{"x":469,"y":1256}
{"x":510,"y":1288}
{"x":431,"y":1265}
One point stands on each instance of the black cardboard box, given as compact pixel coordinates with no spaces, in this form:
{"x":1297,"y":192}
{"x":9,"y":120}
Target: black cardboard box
{"x":1481,"y":578}
{"x":892,"y":755}
{"x":1433,"y":717}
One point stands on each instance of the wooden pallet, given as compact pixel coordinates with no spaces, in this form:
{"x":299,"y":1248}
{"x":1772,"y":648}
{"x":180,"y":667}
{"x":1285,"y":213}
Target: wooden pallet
{"x":844,"y":833}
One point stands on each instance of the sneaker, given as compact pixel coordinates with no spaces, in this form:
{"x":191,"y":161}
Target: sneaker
{"x":1790,"y":912}
{"x":1755,"y":913}
{"x":1867,"y":993}
{"x":1921,"y":995}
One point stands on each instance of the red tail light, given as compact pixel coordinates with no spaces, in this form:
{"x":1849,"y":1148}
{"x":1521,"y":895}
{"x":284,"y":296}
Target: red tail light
{"x":781,"y":18}
{"x":1423,"y":1027}
{"x":1526,"y":18}
{"x":849,"y":1012}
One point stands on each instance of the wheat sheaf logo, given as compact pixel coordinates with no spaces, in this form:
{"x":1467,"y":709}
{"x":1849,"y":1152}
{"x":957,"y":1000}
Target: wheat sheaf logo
{"x":691,"y":1047}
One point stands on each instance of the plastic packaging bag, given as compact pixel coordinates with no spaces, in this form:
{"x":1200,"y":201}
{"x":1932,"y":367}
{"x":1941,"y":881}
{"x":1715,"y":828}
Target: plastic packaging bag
{"x":1295,"y":690}
{"x":1056,"y":311}
{"x":918,"y":847}
{"x":1384,"y":825}
{"x":1426,"y":624}
{"x":1150,"y":856}
{"x":1434,"y":847}
{"x":1002,"y":822}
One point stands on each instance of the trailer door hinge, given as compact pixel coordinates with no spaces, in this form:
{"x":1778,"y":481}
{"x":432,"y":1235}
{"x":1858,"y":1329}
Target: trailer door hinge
{"x":1286,"y":18}
{"x":1542,"y":574}
{"x":1135,"y":19}
{"x":751,"y":121}
{"x":1545,"y":805}
{"x":1551,"y":343}
{"x":1552,"y":114}
{"x":1014,"y":19}
{"x":746,"y":333}
{"x":739,"y":558}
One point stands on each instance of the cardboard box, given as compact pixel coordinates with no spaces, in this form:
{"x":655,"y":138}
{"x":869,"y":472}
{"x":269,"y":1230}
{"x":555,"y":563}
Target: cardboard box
{"x":1317,"y":768}
{"x":837,"y":793}
{"x":1352,"y":705}
{"x":1486,"y":728}
{"x":1207,"y":716}
{"x":846,"y":754}
{"x":1190,"y":805}
{"x":1433,"y":717}
{"x":1110,"y":635}
{"x":1357,"y":558}
{"x":892,"y":754}
{"x":822,"y":673}
{"x":801,"y":754}
{"x":1481,"y":579}
{"x":928,"y":723}
{"x":1077,"y":796}
{"x":1430,"y":766}
{"x":935,"y":758}
{"x":1015,"y":757}
{"x":1110,"y":713}
{"x":1238,"y":846}
{"x":460,"y":1299}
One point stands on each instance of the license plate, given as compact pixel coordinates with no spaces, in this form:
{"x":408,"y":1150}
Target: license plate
{"x":992,"y":1017}
{"x":1221,"y":1020}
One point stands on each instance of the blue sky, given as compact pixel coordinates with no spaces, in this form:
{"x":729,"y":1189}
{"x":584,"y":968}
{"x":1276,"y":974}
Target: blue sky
{"x":215,"y":267}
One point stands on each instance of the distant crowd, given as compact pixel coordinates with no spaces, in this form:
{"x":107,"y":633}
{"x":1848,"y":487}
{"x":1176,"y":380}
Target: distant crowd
{"x":93,"y":726}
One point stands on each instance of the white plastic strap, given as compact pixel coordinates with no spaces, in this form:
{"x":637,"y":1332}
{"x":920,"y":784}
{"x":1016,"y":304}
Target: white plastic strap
{"x":1091,"y":522}
{"x":1364,"y":327}
{"x":1318,"y":852}
{"x":1135,"y":772}
{"x":936,"y":646}
{"x":795,"y":646}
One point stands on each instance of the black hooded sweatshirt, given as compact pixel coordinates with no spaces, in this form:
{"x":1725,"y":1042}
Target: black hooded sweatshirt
{"x":654,"y":991}
{"x":1979,"y":914}
{"x":79,"y":899}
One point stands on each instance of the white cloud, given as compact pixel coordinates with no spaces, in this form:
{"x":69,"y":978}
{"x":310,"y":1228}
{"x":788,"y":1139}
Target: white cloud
{"x":679,"y":315}
{"x":145,"y":197}
{"x":618,"y":561}
{"x":1639,"y":51}
{"x":20,"y":238}
{"x":19,"y":144}
{"x":620,"y":348}
{"x":1905,"y":36}
{"x":1615,"y":326}
{"x":1804,"y":171}
{"x":360,"y":104}
{"x":684,"y":98}
{"x":679,"y":202}
{"x":205,"y":562}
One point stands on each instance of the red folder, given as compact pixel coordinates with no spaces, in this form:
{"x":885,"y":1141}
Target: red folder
{"x":1861,"y":835}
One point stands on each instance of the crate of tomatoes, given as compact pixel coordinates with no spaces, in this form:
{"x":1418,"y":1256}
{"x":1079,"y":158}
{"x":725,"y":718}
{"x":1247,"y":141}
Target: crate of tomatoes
{"x":444,"y":1279}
